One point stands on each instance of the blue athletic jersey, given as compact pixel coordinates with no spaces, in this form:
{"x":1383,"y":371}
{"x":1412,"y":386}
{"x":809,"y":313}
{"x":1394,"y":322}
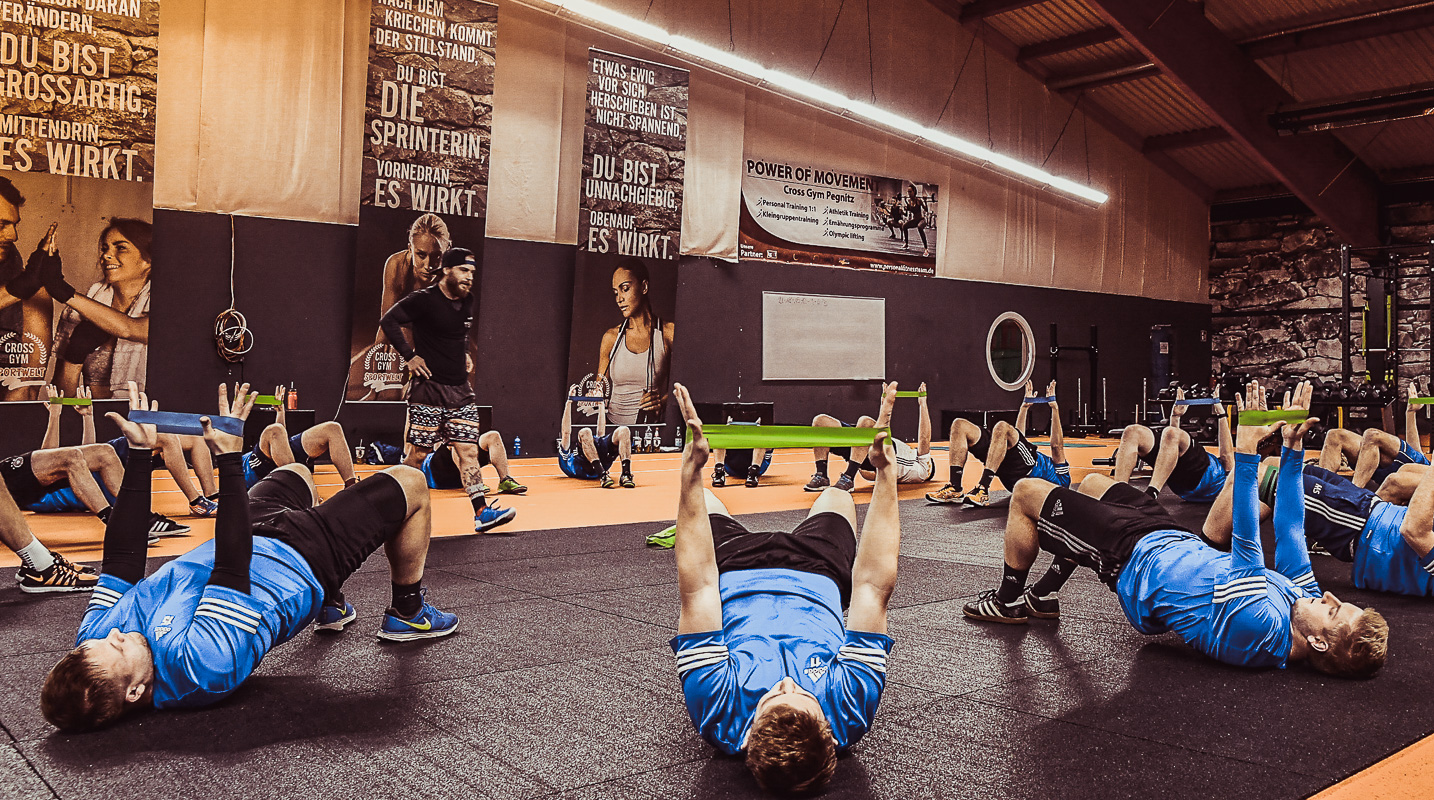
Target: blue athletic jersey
{"x":576,"y":465}
{"x":780,"y":623}
{"x":1335,"y":511}
{"x":1210,"y":483}
{"x":1048,"y":470}
{"x":1226,"y":605}
{"x":735,"y":465}
{"x":65,"y":501}
{"x":1406,"y":455}
{"x":207,"y":639}
{"x":1384,"y":562}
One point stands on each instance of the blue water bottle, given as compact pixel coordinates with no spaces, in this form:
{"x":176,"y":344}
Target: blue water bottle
{"x":517,"y":445}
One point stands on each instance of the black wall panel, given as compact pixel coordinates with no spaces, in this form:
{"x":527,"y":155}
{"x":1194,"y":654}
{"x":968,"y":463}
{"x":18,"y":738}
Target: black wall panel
{"x":935,"y":332}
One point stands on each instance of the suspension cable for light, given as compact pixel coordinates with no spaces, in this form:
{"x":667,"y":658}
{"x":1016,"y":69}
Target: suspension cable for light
{"x":752,"y":72}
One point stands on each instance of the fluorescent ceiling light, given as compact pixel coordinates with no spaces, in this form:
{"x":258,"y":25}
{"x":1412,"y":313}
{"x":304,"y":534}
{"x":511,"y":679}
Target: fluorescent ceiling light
{"x":751,"y":71}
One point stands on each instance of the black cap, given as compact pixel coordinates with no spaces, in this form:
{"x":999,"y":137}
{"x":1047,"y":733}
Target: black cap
{"x":454,"y":256}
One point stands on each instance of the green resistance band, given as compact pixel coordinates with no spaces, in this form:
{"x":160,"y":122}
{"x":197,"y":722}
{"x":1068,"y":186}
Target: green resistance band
{"x":1267,"y":417}
{"x":267,"y":400}
{"x":1421,"y":401}
{"x":748,"y":437}
{"x":663,"y":538}
{"x":71,"y":401}
{"x":911,"y":394}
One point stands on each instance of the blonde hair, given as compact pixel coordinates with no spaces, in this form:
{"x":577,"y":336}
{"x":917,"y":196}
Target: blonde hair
{"x":1358,"y":650}
{"x":434,"y":226}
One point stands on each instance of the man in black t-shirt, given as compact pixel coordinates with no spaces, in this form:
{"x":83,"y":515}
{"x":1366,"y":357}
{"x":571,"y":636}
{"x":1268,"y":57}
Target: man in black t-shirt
{"x":441,"y":404}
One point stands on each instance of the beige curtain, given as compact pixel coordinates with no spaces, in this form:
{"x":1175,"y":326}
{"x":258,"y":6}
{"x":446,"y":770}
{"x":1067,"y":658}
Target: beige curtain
{"x":260,"y":107}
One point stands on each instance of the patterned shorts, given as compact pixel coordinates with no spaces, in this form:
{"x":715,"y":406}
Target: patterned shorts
{"x":428,"y":425}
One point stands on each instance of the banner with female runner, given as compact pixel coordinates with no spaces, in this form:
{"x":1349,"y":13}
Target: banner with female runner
{"x":76,"y":197}
{"x":798,"y":213}
{"x":427,"y":128}
{"x":621,"y":345}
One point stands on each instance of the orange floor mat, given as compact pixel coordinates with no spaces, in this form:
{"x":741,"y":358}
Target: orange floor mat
{"x":1406,"y":775}
{"x":553,"y":500}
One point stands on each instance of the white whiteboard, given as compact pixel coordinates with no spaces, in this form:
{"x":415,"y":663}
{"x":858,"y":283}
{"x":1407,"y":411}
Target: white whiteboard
{"x":823,"y":337}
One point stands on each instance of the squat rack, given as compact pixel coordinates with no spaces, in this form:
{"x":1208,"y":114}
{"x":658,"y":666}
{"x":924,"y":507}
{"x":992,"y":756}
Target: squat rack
{"x":1384,"y":273}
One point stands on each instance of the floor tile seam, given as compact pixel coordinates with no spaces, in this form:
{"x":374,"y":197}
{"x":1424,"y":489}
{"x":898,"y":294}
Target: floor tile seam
{"x":558,"y":792}
{"x":35,"y":770}
{"x":625,"y":548}
{"x":475,"y":748}
{"x":1162,"y":743}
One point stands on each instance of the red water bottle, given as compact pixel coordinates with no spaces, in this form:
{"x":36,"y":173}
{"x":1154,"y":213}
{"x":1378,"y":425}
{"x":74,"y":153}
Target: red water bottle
{"x":293,"y":399}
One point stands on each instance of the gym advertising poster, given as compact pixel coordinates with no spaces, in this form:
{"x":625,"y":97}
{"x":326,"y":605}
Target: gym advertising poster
{"x":427,"y":128}
{"x":796,"y":213}
{"x":76,"y":153}
{"x":621,"y":345}
{"x":634,"y":157}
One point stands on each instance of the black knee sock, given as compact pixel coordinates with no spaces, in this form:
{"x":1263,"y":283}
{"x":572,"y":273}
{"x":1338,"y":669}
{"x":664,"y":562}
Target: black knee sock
{"x":852,"y":468}
{"x":1013,"y":582}
{"x":104,"y":514}
{"x":480,"y":502}
{"x":1055,"y":577}
{"x":407,"y":598}
{"x":627,"y":467}
{"x":336,"y":600}
{"x":956,"y":477}
{"x":1152,"y":490}
{"x":822,"y":467}
{"x":986,"y":477}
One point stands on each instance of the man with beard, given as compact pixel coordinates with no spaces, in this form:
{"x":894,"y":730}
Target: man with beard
{"x":20,"y":309}
{"x":441,"y":404}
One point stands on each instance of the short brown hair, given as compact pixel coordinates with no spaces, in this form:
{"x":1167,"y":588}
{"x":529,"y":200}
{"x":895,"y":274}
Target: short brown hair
{"x":78,"y":695}
{"x":791,"y":751}
{"x":1358,"y":650}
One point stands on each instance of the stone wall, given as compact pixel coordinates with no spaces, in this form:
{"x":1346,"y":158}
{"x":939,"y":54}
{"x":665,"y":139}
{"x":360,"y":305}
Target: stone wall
{"x":1275,"y":295}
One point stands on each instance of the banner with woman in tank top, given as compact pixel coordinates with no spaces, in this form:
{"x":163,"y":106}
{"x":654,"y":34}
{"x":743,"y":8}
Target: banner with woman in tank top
{"x":621,"y":346}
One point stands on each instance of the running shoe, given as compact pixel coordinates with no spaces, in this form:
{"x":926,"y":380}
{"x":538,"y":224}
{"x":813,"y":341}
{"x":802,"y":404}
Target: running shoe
{"x":428,"y":623}
{"x":979,"y":497}
{"x":202,"y":506}
{"x":510,"y":486}
{"x":492,"y":516}
{"x":607,"y":482}
{"x":987,"y":608}
{"x":1317,"y":549}
{"x":719,"y":476}
{"x":62,"y":576}
{"x":946,"y":494}
{"x":626,"y":481}
{"x":1048,"y":607}
{"x":754,"y":476}
{"x":817,"y":483}
{"x":83,"y":569}
{"x":846,"y":483}
{"x":160,"y":525}
{"x":335,"y":618}
{"x":481,"y":488}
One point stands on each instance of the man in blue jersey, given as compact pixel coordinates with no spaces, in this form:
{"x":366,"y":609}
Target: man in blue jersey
{"x":593,"y":457}
{"x":765,"y":661}
{"x":1006,"y":454}
{"x":276,"y":447}
{"x":913,"y":464}
{"x":191,"y":633}
{"x":1191,"y":472}
{"x":1226,"y":605}
{"x":1375,"y":454}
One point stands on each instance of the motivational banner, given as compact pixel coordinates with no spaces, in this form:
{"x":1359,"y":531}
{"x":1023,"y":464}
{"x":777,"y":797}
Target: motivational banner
{"x":78,"y":79}
{"x":802,"y":214}
{"x":621,"y":346}
{"x":428,"y":123}
{"x":634,"y":155}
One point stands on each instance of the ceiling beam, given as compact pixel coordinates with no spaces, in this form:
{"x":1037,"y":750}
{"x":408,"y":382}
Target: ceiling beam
{"x":1106,"y":77}
{"x":981,"y":9}
{"x":1065,"y":44}
{"x":1236,"y":93}
{"x":1176,"y":141}
{"x":1341,"y":31}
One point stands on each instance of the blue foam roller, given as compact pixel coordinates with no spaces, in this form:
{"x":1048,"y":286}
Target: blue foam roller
{"x":171,"y":422}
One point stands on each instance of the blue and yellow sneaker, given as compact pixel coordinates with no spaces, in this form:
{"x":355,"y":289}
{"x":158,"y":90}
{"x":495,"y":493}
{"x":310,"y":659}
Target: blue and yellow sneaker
{"x":428,"y":623}
{"x":492,"y":516}
{"x":335,"y":618}
{"x":202,"y":506}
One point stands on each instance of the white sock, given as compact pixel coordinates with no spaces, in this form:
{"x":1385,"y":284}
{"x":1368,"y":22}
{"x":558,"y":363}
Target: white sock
{"x":36,"y":556}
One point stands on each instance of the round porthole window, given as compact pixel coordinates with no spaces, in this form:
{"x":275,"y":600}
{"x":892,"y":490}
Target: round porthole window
{"x":1010,"y":351}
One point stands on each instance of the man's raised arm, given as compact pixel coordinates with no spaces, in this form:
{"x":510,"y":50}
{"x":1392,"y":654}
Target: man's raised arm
{"x":873,"y":573}
{"x":695,"y":553}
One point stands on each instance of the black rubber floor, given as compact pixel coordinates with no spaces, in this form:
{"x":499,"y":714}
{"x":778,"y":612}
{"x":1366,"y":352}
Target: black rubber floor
{"x":560,"y":683}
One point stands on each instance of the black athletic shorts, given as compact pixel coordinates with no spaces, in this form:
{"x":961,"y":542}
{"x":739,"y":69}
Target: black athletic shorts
{"x":1019,"y":461}
{"x":1101,"y":534}
{"x":335,"y":537}
{"x":1189,"y":468}
{"x":823,"y":543}
{"x":20,"y":480}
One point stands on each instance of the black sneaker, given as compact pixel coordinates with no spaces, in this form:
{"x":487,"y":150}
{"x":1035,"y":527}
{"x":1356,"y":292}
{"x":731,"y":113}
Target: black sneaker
{"x":160,"y":525}
{"x":754,"y":475}
{"x":1048,"y":607}
{"x":62,"y":576}
{"x":719,"y":476}
{"x":987,"y":608}
{"x":818,"y":483}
